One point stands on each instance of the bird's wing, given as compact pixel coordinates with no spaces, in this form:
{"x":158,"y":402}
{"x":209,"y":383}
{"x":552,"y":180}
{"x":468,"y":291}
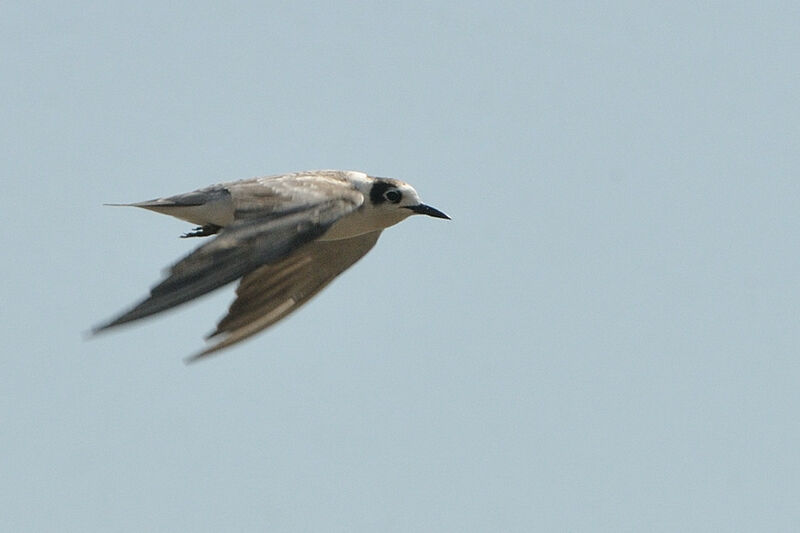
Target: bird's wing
{"x":276,"y":289}
{"x":273,"y":196}
{"x":240,"y":249}
{"x":260,"y":198}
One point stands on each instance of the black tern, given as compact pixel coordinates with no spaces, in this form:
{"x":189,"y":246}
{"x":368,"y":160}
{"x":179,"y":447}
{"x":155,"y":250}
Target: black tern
{"x":285,"y":236}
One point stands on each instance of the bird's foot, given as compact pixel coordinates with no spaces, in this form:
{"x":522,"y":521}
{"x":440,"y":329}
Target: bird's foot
{"x":202,"y":231}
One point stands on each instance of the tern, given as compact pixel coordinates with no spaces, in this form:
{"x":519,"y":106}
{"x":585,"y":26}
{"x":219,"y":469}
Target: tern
{"x":285,"y":237}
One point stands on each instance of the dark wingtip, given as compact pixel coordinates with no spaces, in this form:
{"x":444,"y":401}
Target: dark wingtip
{"x":100,"y":328}
{"x":133,"y":314}
{"x":200,"y":356}
{"x":192,"y":359}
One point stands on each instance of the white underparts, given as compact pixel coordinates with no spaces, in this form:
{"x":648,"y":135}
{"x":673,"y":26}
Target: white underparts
{"x":364,"y":221}
{"x":218,"y":212}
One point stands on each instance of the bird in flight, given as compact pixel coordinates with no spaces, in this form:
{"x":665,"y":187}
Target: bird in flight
{"x":284,"y":237}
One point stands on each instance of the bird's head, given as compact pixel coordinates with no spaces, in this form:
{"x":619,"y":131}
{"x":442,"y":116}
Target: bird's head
{"x":397,"y":199}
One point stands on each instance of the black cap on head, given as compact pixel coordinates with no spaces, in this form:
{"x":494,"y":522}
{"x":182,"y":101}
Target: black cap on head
{"x":379,"y":188}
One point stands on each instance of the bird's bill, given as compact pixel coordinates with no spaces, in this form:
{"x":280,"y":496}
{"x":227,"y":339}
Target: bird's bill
{"x":423,"y":209}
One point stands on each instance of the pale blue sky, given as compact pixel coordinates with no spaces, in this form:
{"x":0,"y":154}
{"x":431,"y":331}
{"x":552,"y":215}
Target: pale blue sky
{"x":604,"y":338}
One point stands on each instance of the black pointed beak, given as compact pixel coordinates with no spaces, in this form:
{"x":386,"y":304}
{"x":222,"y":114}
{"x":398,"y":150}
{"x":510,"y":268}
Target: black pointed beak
{"x":423,"y":209}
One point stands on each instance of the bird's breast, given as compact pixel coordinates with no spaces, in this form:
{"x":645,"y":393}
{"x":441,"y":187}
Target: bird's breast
{"x":360,"y":222}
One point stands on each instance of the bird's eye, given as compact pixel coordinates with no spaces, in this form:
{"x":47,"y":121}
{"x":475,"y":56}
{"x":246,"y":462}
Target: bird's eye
{"x":393,"y":195}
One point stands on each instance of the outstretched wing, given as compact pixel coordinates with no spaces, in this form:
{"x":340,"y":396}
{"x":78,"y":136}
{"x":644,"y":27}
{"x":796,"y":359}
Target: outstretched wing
{"x":274,"y":290}
{"x":240,"y":249}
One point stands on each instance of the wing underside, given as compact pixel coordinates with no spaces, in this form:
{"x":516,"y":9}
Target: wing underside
{"x":274,"y":290}
{"x":236,"y":251}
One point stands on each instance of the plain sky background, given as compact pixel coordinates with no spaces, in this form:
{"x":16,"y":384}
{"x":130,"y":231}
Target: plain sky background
{"x":604,"y":338}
